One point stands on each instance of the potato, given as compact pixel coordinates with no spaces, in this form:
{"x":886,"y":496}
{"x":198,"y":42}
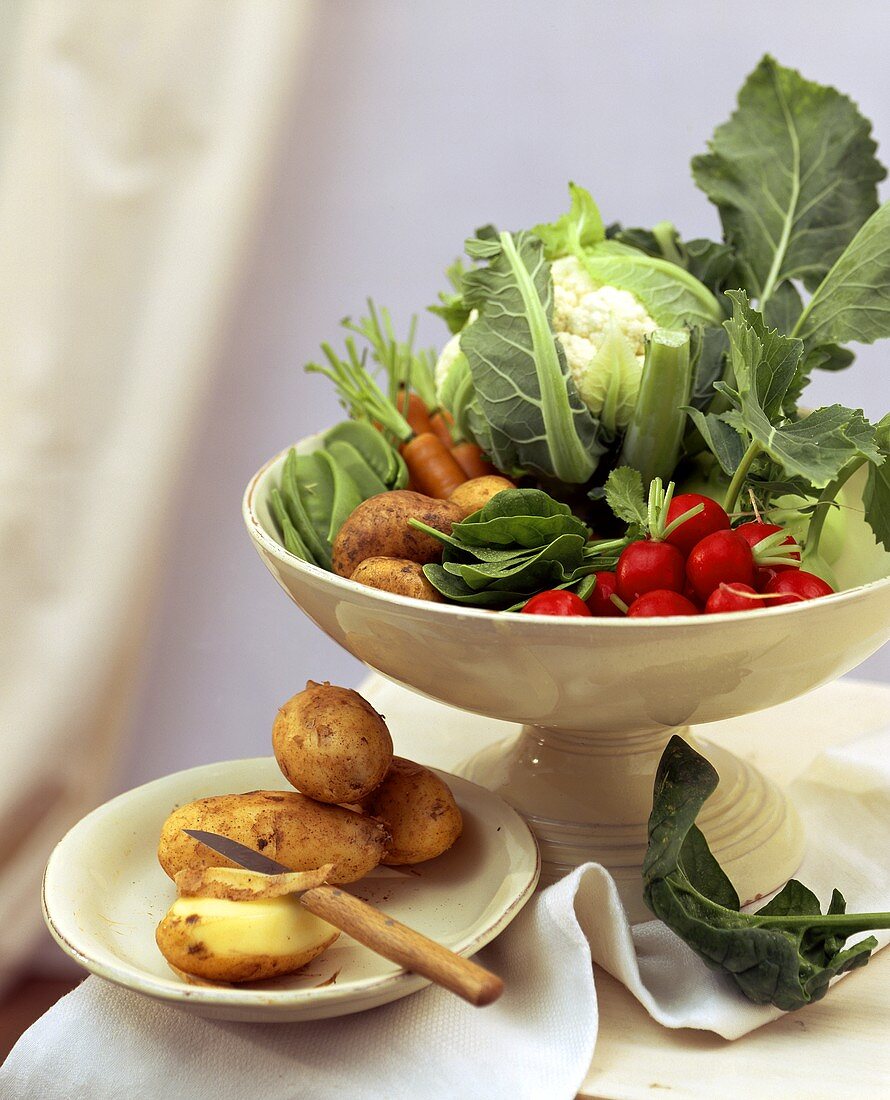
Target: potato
{"x":404,"y":578}
{"x":477,"y":492}
{"x":378,"y":528}
{"x":331,"y":744}
{"x":239,"y":941}
{"x":419,"y":810}
{"x":284,"y":825}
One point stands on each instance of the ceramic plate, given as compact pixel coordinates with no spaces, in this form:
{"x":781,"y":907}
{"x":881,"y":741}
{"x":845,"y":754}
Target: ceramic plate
{"x":104,"y":894}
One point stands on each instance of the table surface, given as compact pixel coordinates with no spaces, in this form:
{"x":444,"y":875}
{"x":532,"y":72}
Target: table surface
{"x":837,"y":1047}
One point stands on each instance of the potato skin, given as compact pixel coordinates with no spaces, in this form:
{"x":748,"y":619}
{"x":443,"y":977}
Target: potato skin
{"x":418,"y":809}
{"x":477,"y":492}
{"x":397,"y":575}
{"x":331,"y":744}
{"x":284,"y":825}
{"x":378,"y":528}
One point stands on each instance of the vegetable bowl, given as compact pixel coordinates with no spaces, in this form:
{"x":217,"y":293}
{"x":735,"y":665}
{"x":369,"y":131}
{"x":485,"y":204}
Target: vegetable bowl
{"x":600,"y":698}
{"x":616,"y":430}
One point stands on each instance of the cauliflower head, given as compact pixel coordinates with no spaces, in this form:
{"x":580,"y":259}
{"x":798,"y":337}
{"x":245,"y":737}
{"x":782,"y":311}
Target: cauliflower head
{"x":603,"y":332}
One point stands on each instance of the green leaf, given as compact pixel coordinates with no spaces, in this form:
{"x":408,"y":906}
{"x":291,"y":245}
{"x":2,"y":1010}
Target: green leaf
{"x":625,"y":496}
{"x":536,"y":419}
{"x":876,"y":495}
{"x":518,"y":517}
{"x":765,"y":365}
{"x":451,"y":306}
{"x":671,"y":295}
{"x":725,"y":442}
{"x":794,"y":175}
{"x":785,"y":954}
{"x":783,"y":308}
{"x":557,"y":561}
{"x":581,"y":227}
{"x":853,"y":301}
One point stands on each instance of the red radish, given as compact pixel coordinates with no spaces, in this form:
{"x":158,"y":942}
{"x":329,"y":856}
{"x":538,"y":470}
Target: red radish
{"x":660,"y":603}
{"x":600,"y":599}
{"x":557,"y":601}
{"x":755,"y":531}
{"x":647,"y":565}
{"x":795,"y":585}
{"x":720,"y":558}
{"x":734,"y":597}
{"x":689,"y":532}
{"x":763,"y":576}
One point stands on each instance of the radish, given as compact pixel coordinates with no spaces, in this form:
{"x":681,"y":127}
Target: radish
{"x":720,"y":558}
{"x":733,"y":597}
{"x":661,"y":603}
{"x":694,"y":528}
{"x":646,"y":566}
{"x":756,"y":531}
{"x":600,"y":599}
{"x":793,"y":586}
{"x":557,"y":601}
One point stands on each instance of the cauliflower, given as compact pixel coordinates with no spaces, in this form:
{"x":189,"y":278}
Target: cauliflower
{"x":603,"y":332}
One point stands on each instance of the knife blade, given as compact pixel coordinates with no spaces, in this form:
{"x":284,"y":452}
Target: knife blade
{"x":371,"y":927}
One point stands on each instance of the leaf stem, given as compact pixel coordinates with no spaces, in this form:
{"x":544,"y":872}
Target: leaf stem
{"x":855,"y":922}
{"x":738,"y":478}
{"x":825,"y":501}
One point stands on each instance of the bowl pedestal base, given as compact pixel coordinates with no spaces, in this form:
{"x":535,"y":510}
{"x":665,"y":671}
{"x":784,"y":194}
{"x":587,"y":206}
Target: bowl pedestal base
{"x":587,"y":796}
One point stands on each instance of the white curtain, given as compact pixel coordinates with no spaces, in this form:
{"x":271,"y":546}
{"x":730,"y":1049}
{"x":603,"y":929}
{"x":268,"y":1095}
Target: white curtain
{"x":135,"y":141}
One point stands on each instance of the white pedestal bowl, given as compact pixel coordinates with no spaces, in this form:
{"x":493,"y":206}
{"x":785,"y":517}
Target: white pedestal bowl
{"x":599,"y":699}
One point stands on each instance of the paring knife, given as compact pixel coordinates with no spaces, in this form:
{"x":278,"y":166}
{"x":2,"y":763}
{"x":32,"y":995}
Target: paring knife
{"x":371,"y":927}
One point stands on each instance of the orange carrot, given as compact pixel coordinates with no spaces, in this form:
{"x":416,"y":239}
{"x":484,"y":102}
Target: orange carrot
{"x":414,"y":411}
{"x":432,"y":468}
{"x":442,"y":422}
{"x":470,"y":459}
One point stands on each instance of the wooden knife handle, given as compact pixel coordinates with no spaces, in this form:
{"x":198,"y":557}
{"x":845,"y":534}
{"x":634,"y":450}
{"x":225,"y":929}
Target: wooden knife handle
{"x":402,"y":945}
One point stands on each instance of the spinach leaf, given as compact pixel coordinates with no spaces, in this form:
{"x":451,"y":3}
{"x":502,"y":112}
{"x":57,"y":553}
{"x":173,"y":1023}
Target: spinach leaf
{"x":793,"y":174}
{"x":853,"y":301}
{"x":518,"y":517}
{"x":786,"y":953}
{"x":536,"y":419}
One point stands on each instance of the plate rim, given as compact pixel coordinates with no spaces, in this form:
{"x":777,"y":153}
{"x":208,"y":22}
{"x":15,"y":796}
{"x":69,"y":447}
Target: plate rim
{"x":402,"y":982}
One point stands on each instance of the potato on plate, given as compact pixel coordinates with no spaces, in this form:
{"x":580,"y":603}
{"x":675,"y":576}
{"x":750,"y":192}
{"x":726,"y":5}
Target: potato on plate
{"x":284,"y":825}
{"x":419,"y":810}
{"x":331,"y":744}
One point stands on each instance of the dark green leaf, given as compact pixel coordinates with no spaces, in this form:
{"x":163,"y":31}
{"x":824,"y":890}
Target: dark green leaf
{"x":783,"y":308}
{"x":519,"y":517}
{"x":725,"y":443}
{"x":876,"y":495}
{"x":624,"y":495}
{"x":794,"y":175}
{"x":785,"y":954}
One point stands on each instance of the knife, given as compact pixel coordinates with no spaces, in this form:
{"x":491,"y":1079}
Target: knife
{"x":371,"y":927}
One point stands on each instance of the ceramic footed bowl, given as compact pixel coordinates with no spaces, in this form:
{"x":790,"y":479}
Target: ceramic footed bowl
{"x":599,"y":698}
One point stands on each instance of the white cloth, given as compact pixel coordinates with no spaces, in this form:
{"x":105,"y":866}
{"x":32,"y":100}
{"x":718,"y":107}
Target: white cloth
{"x":101,"y":1042}
{"x":134,"y":146}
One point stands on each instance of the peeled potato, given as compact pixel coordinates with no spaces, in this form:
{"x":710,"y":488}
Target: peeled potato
{"x":478,"y":491}
{"x":331,"y":744}
{"x":240,"y":941}
{"x":297,"y":831}
{"x":418,"y":809}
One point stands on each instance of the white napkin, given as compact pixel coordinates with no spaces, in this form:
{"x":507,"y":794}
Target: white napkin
{"x":101,"y":1042}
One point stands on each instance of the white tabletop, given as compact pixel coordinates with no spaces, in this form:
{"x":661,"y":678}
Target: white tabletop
{"x":836,"y":1048}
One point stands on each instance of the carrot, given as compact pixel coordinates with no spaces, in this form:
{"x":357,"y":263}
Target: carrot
{"x":433,"y":470}
{"x":442,"y":422}
{"x":470,"y":459}
{"x":414,"y":411}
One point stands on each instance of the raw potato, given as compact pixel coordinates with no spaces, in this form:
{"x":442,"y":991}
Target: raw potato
{"x":239,"y":941}
{"x":419,"y":810}
{"x":284,"y":825}
{"x":378,"y":528}
{"x":331,"y":744}
{"x":403,"y":578}
{"x":477,"y":492}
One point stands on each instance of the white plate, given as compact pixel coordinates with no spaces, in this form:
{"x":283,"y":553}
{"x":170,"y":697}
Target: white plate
{"x":104,"y":894}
